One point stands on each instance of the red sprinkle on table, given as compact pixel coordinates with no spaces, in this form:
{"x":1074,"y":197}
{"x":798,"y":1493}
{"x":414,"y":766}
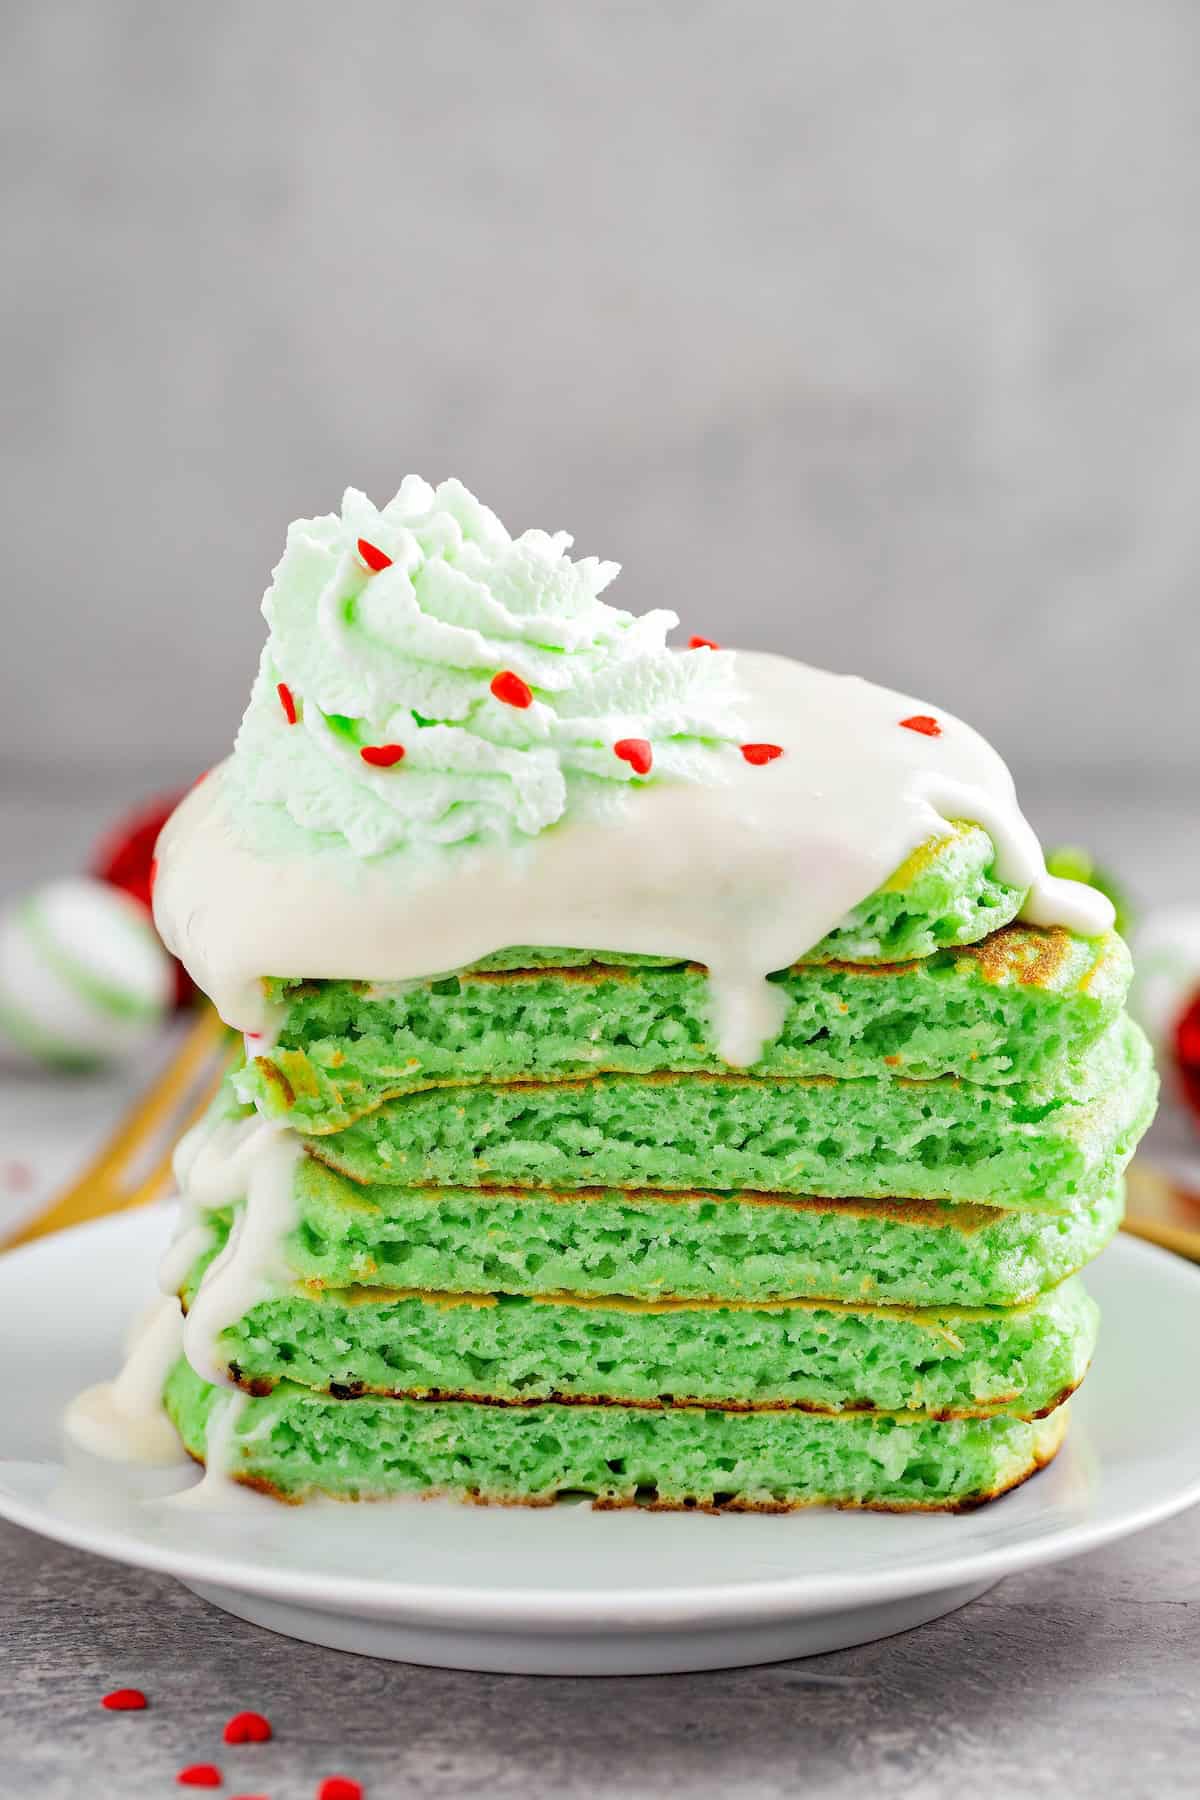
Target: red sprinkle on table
{"x":125,"y":1700}
{"x":761,"y":753}
{"x":247,"y":1728}
{"x":382,"y":756}
{"x":922,"y":722}
{"x":699,"y":643}
{"x":200,"y":1775}
{"x":636,"y":752}
{"x":339,"y":1787}
{"x":374,"y":559}
{"x":286,"y":701}
{"x":511,"y":689}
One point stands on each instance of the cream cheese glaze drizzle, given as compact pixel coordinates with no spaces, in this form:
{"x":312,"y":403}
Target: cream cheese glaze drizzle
{"x":124,"y":1420}
{"x":221,"y":1163}
{"x":743,"y":875}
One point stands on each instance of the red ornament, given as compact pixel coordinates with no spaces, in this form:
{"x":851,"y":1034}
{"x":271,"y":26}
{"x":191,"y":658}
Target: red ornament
{"x":1187,"y":1051}
{"x":761,"y":753}
{"x":125,"y":859}
{"x":125,"y":1700}
{"x":511,"y":689}
{"x":339,"y":1787}
{"x":922,"y":722}
{"x":286,"y":701}
{"x":699,"y":643}
{"x":374,"y":559}
{"x":636,"y":752}
{"x":382,"y":756}
{"x":247,"y":1728}
{"x":200,"y":1775}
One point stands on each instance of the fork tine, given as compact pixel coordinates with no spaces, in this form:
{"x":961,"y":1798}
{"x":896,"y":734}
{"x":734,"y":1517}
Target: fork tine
{"x":98,"y":1189}
{"x":159,"y":1176}
{"x":156,"y":1104}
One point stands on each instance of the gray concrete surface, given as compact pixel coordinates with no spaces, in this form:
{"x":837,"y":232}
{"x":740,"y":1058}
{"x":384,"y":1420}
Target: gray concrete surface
{"x":866,"y":332}
{"x":1074,"y":1681}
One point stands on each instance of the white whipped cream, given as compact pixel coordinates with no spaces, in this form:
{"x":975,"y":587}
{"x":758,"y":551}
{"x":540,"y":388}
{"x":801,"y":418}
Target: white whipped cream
{"x":487,"y":668}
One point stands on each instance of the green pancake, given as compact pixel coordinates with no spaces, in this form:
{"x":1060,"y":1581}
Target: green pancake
{"x":947,"y":1139}
{"x":692,"y":1245}
{"x":1023,"y":1007}
{"x":295,"y":1444}
{"x":947,"y":892}
{"x":953,"y":1362}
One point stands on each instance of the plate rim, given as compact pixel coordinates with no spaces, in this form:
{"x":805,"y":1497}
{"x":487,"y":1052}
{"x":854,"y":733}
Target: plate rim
{"x":616,"y":1609}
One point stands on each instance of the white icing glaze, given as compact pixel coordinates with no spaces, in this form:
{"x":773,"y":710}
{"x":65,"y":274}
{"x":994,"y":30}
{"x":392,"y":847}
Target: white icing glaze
{"x":253,"y":1160}
{"x":125,"y":1420}
{"x":211,"y":1167}
{"x":217,"y":1163}
{"x":743,"y":877}
{"x":216,"y":1489}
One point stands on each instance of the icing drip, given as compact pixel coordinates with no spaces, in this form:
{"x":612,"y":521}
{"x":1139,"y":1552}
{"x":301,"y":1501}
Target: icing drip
{"x":251,"y":1159}
{"x":217,"y":1163}
{"x":215,"y":1489}
{"x":124,"y":1420}
{"x":743,"y":876}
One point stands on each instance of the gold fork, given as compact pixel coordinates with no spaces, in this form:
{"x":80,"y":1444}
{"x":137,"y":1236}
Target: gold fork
{"x":134,"y":1166}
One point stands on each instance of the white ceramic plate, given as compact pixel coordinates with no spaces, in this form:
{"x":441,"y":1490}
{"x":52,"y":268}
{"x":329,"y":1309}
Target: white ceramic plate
{"x":567,"y":1590}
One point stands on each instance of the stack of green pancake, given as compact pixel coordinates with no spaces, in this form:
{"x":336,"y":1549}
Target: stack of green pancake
{"x":545,"y":1242}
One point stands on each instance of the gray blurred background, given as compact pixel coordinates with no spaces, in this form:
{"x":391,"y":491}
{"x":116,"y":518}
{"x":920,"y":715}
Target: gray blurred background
{"x":866,"y":331}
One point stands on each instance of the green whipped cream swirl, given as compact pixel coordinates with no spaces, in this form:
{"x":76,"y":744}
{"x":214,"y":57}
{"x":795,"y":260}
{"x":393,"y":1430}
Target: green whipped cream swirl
{"x":404,"y":658}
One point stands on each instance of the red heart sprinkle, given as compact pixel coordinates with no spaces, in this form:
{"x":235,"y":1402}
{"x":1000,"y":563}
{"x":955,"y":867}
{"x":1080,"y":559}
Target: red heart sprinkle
{"x":511,"y":689}
{"x":922,"y":722}
{"x":699,"y":643}
{"x":761,"y":753}
{"x":339,"y":1787}
{"x":636,"y":752}
{"x":199,"y":1775}
{"x":382,"y":756}
{"x":124,"y":1700}
{"x":374,"y":559}
{"x":248,"y":1727}
{"x":286,"y":701}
